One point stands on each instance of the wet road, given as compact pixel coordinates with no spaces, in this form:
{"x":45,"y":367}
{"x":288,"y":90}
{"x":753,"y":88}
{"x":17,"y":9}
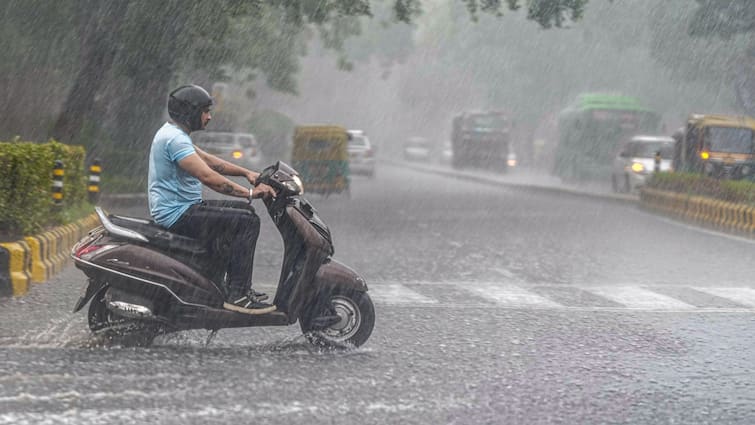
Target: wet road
{"x":494,"y":305}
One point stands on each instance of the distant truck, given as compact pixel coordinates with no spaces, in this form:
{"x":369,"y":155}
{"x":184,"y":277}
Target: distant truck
{"x":481,"y":139}
{"x":720,"y":146}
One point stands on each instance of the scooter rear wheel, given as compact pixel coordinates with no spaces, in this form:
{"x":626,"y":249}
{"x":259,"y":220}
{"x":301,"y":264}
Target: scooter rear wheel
{"x":356,"y":319}
{"x":115,"y":329}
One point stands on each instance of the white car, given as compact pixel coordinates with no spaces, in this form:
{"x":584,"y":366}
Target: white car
{"x":237,"y":148}
{"x":446,"y":153}
{"x":361,"y":154}
{"x":635,"y":162}
{"x":417,"y":149}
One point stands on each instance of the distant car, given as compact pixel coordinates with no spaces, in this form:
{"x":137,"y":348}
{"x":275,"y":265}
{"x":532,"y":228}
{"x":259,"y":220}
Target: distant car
{"x":446,"y":153}
{"x":635,"y":162}
{"x":511,"y":160}
{"x":417,"y":149}
{"x":237,"y":148}
{"x":361,"y":154}
{"x":251,"y":148}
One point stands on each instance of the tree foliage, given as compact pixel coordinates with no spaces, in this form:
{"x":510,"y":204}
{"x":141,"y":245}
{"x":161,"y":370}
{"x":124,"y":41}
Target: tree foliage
{"x":108,"y":64}
{"x":723,"y":18}
{"x":712,"y":43}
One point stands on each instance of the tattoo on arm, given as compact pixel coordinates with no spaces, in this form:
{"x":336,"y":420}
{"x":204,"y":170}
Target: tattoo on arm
{"x":227,"y":188}
{"x":218,"y":167}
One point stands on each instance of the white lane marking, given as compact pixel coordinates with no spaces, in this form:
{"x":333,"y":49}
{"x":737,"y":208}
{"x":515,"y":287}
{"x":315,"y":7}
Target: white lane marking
{"x":511,"y":296}
{"x":24,"y":397}
{"x":635,"y":297}
{"x":628,"y":297}
{"x":744,"y":296}
{"x":395,"y":293}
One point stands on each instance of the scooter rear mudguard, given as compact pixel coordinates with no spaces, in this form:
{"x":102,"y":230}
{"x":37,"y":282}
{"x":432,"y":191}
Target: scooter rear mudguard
{"x":141,"y":270}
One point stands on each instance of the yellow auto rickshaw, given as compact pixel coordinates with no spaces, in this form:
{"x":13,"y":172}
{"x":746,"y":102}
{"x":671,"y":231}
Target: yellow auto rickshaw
{"x":321,"y":157}
{"x":721,"y":146}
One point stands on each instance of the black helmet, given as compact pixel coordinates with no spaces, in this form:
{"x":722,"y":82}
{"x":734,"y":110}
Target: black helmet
{"x":186,"y":104}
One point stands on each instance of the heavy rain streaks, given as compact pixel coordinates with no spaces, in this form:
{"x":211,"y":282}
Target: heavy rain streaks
{"x":473,"y":181}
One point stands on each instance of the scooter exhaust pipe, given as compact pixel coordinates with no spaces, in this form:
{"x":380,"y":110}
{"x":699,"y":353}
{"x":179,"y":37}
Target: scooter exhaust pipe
{"x":128,"y":305}
{"x":129,"y":310}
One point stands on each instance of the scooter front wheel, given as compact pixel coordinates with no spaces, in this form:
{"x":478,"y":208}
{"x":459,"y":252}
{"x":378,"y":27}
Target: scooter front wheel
{"x":345,"y":318}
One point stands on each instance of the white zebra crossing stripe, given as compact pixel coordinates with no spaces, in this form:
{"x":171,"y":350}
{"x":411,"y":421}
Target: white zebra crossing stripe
{"x":635,"y":297}
{"x":511,"y":296}
{"x":499,"y":295}
{"x":743,"y":296}
{"x":395,"y":293}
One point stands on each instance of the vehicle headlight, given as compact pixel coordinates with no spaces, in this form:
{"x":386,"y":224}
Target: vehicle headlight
{"x":638,"y":167}
{"x":296,"y":185}
{"x":299,"y":183}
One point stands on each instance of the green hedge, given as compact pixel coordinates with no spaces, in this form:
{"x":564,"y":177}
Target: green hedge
{"x":738,"y":191}
{"x":26,"y":204}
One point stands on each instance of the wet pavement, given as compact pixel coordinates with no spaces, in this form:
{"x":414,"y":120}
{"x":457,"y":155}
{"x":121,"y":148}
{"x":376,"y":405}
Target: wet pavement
{"x":495,"y":304}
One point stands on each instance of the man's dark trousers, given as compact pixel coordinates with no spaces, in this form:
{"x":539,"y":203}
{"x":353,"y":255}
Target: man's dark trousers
{"x":233,"y":225}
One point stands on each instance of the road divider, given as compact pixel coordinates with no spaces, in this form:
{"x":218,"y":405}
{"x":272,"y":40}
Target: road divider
{"x":37,"y":258}
{"x":706,"y":212}
{"x":16,"y":274}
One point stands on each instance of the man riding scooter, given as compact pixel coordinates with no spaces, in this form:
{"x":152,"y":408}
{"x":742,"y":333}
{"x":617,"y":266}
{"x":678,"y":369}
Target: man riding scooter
{"x":177,"y":171}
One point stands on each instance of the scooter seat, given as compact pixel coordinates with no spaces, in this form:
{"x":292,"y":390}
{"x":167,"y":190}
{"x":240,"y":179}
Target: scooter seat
{"x":159,"y":236}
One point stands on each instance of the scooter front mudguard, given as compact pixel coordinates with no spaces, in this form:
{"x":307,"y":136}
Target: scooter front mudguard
{"x":334,"y":274}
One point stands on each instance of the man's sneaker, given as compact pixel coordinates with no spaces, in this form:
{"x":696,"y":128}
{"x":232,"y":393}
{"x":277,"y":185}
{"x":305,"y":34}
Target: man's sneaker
{"x":249,"y":304}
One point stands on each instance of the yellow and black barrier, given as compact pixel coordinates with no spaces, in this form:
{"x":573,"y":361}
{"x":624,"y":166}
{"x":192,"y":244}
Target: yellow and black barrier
{"x":15,"y":261}
{"x":36,"y":259}
{"x":719,"y":215}
{"x":93,"y":185}
{"x":58,"y":175}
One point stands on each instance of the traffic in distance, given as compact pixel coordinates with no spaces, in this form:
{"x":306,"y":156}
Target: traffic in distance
{"x":599,"y":137}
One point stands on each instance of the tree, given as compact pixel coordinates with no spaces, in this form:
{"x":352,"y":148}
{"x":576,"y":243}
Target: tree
{"x":711,"y":43}
{"x":273,"y":131}
{"x":728,"y":20}
{"x":124,"y":55}
{"x":39,"y":55}
{"x":98,"y":23}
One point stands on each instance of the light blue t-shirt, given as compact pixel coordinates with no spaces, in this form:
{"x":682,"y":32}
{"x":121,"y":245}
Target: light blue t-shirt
{"x":171,"y":189}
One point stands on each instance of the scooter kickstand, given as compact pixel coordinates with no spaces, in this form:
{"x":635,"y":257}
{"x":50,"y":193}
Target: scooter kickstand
{"x":210,"y":337}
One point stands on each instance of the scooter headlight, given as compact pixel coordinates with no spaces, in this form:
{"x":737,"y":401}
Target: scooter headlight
{"x":296,"y":185}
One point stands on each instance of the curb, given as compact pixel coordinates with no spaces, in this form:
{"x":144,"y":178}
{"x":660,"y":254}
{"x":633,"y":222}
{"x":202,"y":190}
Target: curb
{"x":36,"y":259}
{"x":15,"y":278}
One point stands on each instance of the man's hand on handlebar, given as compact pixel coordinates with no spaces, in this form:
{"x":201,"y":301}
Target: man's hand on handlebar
{"x":251,"y":176}
{"x":262,"y":191}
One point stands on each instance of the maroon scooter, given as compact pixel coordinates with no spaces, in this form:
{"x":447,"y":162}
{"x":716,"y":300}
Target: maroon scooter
{"x":145,"y":280}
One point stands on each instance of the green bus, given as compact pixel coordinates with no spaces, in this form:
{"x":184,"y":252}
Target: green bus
{"x":593,"y":128}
